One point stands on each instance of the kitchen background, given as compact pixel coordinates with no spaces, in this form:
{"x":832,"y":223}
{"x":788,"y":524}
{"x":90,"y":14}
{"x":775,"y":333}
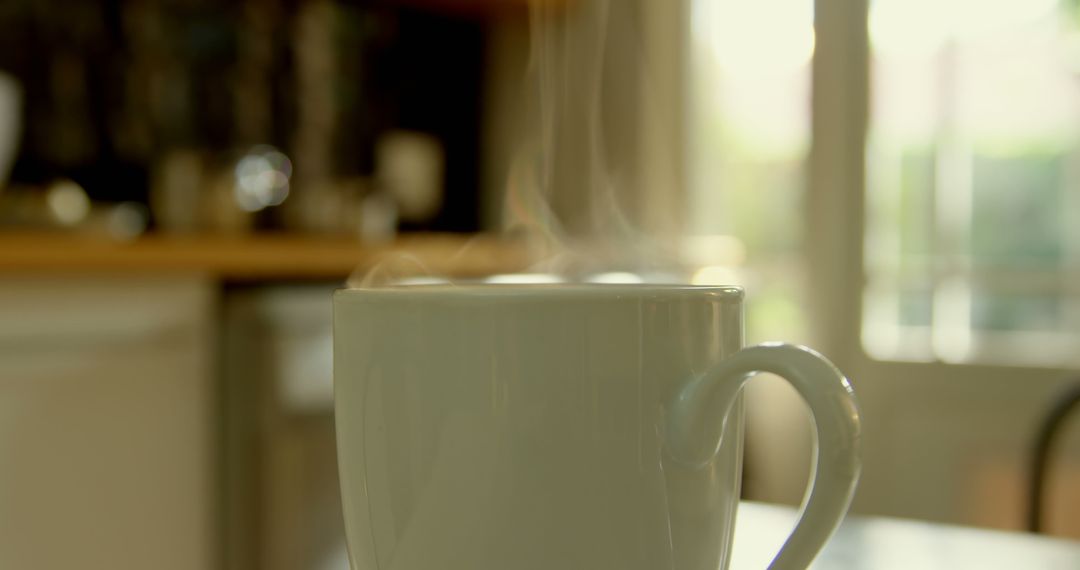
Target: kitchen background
{"x":185,"y":181}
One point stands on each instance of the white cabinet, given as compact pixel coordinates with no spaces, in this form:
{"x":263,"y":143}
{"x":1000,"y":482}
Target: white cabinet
{"x":106,"y":424}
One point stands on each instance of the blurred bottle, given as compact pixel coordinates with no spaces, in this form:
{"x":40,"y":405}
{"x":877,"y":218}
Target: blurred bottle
{"x":64,"y":205}
{"x":200,"y":191}
{"x":409,"y":167}
{"x":176,"y":190}
{"x":10,"y":124}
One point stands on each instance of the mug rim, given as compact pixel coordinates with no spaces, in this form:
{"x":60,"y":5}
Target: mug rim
{"x":476,"y":290}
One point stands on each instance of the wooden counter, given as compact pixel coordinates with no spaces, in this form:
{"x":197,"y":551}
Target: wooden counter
{"x":254,"y":257}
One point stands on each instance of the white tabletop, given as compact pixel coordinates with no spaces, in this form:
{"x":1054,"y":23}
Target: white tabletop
{"x":872,"y":543}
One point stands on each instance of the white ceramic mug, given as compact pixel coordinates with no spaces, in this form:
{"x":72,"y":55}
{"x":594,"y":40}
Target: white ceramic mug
{"x":563,"y":427}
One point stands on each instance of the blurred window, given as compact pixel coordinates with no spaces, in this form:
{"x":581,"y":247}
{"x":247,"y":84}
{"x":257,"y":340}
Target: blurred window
{"x":749,"y":138}
{"x":972,"y":245}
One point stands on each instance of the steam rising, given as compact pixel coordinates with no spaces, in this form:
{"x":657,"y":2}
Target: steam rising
{"x":571,"y":182}
{"x":577,"y":84}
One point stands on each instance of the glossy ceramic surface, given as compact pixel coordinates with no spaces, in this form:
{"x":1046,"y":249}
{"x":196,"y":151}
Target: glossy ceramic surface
{"x":570,"y":427}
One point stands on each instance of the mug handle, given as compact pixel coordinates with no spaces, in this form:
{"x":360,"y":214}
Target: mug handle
{"x":835,"y":417}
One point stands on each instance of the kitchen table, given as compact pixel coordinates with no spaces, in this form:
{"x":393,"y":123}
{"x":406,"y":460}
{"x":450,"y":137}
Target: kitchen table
{"x":876,"y":543}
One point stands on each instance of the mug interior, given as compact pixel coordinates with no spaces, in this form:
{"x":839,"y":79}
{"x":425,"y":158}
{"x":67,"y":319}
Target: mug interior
{"x":495,"y":290}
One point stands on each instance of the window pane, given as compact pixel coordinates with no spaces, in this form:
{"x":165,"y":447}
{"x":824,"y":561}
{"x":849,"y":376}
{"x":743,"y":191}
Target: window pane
{"x":973,"y":187}
{"x":916,"y":208}
{"x":1017,"y":219}
{"x":916,"y":307}
{"x":1006,"y":312}
{"x":749,"y":137}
